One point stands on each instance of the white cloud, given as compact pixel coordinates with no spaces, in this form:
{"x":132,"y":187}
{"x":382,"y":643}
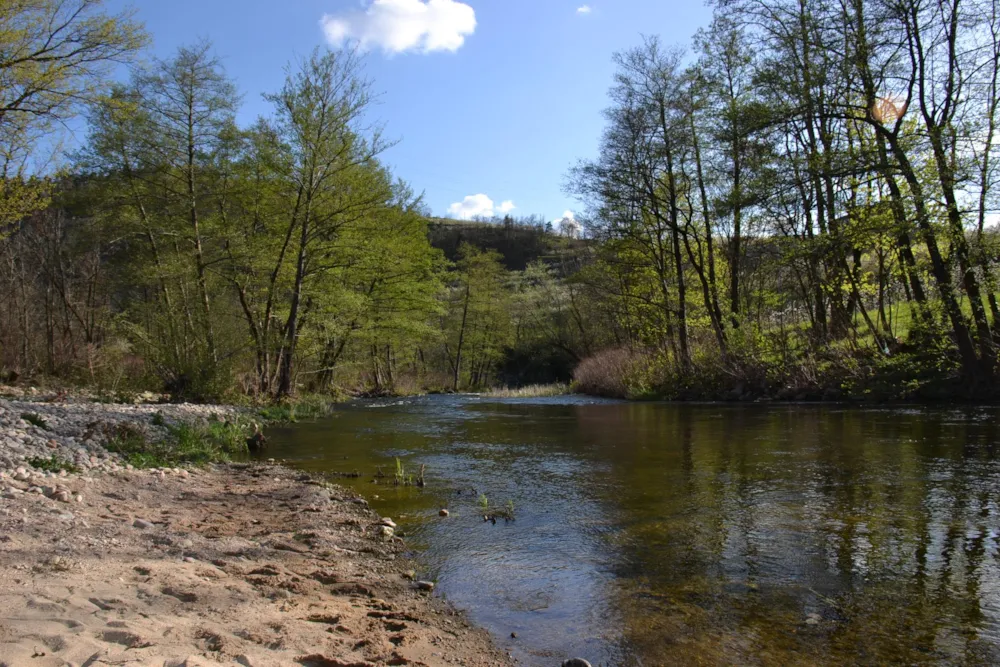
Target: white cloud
{"x":473,"y":206}
{"x":479,"y":206}
{"x":585,"y":9}
{"x":404,"y":25}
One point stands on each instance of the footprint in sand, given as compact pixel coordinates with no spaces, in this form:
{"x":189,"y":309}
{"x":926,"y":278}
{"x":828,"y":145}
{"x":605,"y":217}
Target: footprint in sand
{"x":183,"y":596}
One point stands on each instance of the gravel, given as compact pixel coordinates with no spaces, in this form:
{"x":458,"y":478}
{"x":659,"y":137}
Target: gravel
{"x":73,"y":432}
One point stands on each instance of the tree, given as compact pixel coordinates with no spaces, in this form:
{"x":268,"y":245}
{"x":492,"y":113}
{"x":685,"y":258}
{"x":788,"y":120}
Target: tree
{"x":54,"y":55}
{"x":162,"y":145}
{"x":478,"y":322}
{"x":638,"y":183}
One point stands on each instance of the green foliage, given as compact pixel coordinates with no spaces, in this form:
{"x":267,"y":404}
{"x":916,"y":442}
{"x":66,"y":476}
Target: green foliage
{"x":744,"y":240}
{"x":196,"y":443}
{"x":56,"y":54}
{"x":531,"y":391}
{"x":53,"y":464}
{"x":478,"y":323}
{"x":303,"y":408}
{"x":506,"y":512}
{"x":520,"y":243}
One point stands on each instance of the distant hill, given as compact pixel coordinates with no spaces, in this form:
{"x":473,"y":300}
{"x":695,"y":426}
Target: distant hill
{"x":519,"y":242}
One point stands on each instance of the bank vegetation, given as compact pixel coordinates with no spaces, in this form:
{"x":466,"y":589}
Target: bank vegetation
{"x":800,"y":204}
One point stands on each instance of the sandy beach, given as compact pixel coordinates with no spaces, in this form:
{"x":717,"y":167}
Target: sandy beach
{"x":238,"y":564}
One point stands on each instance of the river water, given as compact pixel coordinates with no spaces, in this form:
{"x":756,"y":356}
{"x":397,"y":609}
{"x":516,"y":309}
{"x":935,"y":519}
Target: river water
{"x":649,"y":534}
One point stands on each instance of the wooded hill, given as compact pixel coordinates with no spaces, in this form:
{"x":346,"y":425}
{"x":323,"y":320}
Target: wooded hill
{"x":802,"y":207}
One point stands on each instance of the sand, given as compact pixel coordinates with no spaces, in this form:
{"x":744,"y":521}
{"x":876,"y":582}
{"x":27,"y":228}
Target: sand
{"x":252,"y":565}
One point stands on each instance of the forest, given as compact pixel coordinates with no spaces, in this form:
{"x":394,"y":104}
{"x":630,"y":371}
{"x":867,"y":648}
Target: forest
{"x":800,"y":204}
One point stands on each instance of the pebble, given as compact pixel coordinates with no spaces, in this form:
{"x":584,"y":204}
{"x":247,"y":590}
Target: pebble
{"x":443,"y":512}
{"x":576,"y":662}
{"x":142,"y":524}
{"x":386,"y":532}
{"x":386,"y":521}
{"x":425,"y":585}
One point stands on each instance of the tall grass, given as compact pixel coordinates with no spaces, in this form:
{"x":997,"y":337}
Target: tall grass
{"x":302,"y":409}
{"x":531,"y":391}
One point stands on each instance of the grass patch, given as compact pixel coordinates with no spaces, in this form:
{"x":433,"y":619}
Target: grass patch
{"x":53,"y":464}
{"x":493,"y":513}
{"x":404,"y":478}
{"x":196,"y":443}
{"x":531,"y":391}
{"x":36,"y":420}
{"x":304,"y":409}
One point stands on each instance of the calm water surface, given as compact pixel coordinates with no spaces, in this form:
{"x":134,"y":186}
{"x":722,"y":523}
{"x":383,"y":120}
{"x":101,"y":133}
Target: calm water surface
{"x":652,"y":534}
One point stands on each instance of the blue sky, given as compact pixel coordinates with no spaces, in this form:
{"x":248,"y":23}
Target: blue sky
{"x":486,"y":97}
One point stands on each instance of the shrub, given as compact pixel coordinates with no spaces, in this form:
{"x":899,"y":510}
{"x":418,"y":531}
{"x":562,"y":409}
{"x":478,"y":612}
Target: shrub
{"x":618,"y":373}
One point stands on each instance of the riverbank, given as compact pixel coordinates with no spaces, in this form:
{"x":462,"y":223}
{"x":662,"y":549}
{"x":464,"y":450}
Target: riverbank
{"x":238,"y":564}
{"x":863,"y":376}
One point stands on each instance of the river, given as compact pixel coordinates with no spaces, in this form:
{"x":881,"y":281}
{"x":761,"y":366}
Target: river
{"x":650,"y":534}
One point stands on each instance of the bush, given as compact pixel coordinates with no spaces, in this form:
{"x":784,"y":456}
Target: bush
{"x":618,"y":373}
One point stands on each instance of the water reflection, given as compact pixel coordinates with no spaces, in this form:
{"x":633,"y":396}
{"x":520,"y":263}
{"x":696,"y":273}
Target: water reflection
{"x":657,"y":534}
